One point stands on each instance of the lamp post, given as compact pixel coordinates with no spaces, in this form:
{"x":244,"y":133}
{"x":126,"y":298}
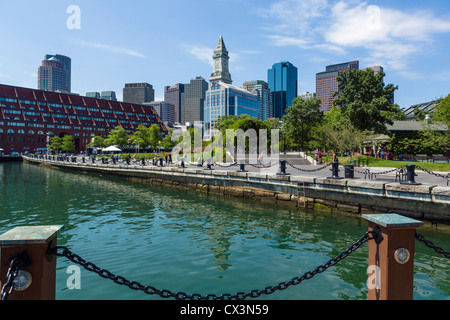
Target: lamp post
{"x":129,"y":147}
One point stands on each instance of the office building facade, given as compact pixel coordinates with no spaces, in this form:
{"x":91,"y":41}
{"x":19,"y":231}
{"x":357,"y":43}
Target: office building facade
{"x":54,"y":74}
{"x":172,"y":94}
{"x":193,"y":100}
{"x":224,"y":99}
{"x":261,"y":90}
{"x":165,"y":110}
{"x":327,"y":84}
{"x":138,"y":93}
{"x":29,"y":117}
{"x":283,"y":83}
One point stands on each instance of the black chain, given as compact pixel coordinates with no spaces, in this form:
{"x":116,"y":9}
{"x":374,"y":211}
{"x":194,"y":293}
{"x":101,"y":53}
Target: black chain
{"x":308,"y":170}
{"x":11,"y":275}
{"x":436,"y":174}
{"x":184,"y":296}
{"x":430,"y":244}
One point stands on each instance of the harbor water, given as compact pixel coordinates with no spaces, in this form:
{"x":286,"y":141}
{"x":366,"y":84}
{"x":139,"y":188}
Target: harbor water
{"x":187,"y":241}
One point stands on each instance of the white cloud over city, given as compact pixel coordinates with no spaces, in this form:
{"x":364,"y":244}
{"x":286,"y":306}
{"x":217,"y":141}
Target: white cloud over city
{"x":390,"y":37}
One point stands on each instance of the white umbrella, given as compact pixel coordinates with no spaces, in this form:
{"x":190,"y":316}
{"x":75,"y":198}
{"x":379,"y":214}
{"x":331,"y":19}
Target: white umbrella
{"x":111,"y":149}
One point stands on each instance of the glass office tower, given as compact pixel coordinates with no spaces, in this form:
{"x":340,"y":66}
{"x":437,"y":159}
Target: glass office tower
{"x":283,"y":83}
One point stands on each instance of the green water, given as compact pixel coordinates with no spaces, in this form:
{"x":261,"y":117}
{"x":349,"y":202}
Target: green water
{"x":191,"y":242}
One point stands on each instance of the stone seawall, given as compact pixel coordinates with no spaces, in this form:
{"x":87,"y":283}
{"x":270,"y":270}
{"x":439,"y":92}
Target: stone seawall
{"x":347,"y":196}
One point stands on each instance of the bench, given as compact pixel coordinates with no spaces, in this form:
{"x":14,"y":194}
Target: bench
{"x":440,"y":157}
{"x":421,"y":157}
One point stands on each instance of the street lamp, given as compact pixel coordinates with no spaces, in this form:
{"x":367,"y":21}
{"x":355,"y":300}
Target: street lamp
{"x":129,"y":147}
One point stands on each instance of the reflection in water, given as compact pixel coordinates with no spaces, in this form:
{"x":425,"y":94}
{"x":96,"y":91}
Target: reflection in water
{"x":193,"y":242}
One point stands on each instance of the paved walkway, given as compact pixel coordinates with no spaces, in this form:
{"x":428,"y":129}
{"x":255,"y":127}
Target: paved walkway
{"x":300,"y":167}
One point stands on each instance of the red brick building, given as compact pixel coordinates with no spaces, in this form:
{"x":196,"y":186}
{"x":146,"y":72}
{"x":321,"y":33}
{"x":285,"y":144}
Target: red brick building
{"x":29,"y":116}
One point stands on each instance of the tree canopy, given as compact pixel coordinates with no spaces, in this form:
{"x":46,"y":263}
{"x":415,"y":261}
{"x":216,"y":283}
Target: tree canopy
{"x":365,"y":101}
{"x":300,"y":118}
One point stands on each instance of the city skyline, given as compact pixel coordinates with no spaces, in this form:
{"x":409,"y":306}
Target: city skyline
{"x":118,"y":44}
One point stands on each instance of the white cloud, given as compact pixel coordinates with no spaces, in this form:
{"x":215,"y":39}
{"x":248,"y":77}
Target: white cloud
{"x":109,"y":48}
{"x":389,"y":36}
{"x":203,"y":54}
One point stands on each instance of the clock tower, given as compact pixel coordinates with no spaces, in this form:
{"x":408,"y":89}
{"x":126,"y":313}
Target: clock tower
{"x":221,"y":70}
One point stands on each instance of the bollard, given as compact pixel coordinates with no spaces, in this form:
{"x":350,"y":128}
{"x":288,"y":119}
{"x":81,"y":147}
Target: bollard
{"x":161,"y":162}
{"x":83,"y":160}
{"x":128,"y":160}
{"x":410,"y":175}
{"x":282,"y":168}
{"x":37,"y":278}
{"x":391,"y":261}
{"x":143,"y":161}
{"x":182,"y":164}
{"x":349,"y":172}
{"x":242,"y":168}
{"x":335,"y":171}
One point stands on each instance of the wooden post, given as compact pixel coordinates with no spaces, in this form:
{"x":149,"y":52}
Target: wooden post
{"x":391,"y":261}
{"x":35,"y":243}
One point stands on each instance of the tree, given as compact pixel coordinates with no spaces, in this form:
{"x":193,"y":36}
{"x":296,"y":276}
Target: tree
{"x":97,"y":141}
{"x":67,"y":144}
{"x":346,"y":139}
{"x":366,"y":101}
{"x":141,"y":137}
{"x":117,"y":137}
{"x":55,"y":143}
{"x":154,"y":134}
{"x":442,"y":111}
{"x":300,"y":119}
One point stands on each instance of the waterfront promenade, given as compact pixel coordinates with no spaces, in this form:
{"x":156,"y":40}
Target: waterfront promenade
{"x":298,"y":166}
{"x":298,"y":184}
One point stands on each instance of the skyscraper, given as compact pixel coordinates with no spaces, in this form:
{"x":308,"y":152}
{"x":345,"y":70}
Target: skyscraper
{"x":193,"y":100}
{"x":138,"y":93}
{"x":221,"y":70}
{"x":172,"y":94}
{"x":54,"y":74}
{"x":67,"y":65}
{"x":165,"y":110}
{"x":224,"y":99}
{"x":261,"y":90}
{"x":326,"y":83}
{"x":283,"y":83}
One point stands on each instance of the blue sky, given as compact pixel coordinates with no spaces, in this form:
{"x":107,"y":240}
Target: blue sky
{"x":171,"y":41}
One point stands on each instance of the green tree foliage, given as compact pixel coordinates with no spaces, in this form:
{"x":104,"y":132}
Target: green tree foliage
{"x":365,"y":101}
{"x":97,"y":142}
{"x":64,"y":144}
{"x":67,"y":144}
{"x":117,"y":137}
{"x":442,"y":111}
{"x":301,"y":119}
{"x":55,"y":143}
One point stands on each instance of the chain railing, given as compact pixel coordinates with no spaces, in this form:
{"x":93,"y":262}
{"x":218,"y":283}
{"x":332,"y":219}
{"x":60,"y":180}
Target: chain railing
{"x":11,"y":275}
{"x":63,"y":251}
{"x":431,"y":245}
{"x":447,"y":177}
{"x":309,"y":170}
{"x":400,"y":172}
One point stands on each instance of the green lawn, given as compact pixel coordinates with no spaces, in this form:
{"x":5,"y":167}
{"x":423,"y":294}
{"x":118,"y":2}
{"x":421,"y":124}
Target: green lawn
{"x":374,"y":162}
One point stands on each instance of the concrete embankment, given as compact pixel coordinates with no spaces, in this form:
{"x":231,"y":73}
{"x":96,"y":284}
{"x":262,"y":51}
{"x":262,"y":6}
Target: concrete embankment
{"x":344,"y":196}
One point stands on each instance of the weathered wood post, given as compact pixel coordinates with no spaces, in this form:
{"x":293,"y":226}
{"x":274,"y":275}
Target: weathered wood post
{"x":391,"y":261}
{"x":31,"y":244}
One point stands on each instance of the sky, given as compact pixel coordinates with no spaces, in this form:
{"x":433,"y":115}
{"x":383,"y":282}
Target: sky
{"x":172,"y":41}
